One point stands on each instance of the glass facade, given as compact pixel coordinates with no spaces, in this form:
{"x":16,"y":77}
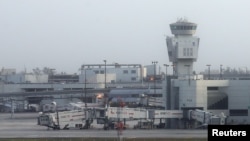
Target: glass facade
{"x":181,"y":27}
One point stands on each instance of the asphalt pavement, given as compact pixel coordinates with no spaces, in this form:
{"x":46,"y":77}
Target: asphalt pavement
{"x":24,"y":125}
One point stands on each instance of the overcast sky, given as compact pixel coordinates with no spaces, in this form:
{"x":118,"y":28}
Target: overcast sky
{"x":64,"y":34}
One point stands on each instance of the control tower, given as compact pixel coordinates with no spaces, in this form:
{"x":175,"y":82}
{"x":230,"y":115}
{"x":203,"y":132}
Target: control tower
{"x":182,"y":47}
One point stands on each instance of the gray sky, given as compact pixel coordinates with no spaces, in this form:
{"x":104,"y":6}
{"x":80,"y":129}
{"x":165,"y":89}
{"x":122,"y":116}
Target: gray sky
{"x":64,"y":34}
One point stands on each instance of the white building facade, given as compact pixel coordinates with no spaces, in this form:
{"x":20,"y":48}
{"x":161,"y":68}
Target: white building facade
{"x":185,"y":90}
{"x":232,"y":97}
{"x":182,"y":47}
{"x":112,"y":73}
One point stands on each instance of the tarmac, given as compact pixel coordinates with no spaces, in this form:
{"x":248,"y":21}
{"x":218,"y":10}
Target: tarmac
{"x":24,"y":125}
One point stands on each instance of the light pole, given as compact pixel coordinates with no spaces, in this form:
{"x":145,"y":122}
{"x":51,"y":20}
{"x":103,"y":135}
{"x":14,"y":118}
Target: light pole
{"x":85,"y":95}
{"x":85,"y":87}
{"x":221,"y":71}
{"x":154,"y":63}
{"x":208,"y":72}
{"x":105,"y":74}
{"x":166,"y":65}
{"x":12,"y":107}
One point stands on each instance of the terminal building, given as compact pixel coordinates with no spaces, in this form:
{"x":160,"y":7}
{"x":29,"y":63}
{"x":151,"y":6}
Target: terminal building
{"x":186,"y":90}
{"x":182,"y":90}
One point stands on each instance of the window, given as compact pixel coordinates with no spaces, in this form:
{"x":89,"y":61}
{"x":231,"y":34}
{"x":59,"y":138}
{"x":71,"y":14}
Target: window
{"x":238,"y":112}
{"x":134,"y":95}
{"x":191,"y":51}
{"x":102,"y":72}
{"x":187,"y":51}
{"x":193,"y":43}
{"x":125,"y":71}
{"x":173,"y":27}
{"x":187,"y":27}
{"x":212,"y":88}
{"x":133,"y":71}
{"x":133,"y":78}
{"x":96,"y":72}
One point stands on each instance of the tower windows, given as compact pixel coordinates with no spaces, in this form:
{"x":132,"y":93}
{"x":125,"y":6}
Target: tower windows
{"x":96,"y":72}
{"x":187,"y":51}
{"x":125,"y":71}
{"x":133,"y":78}
{"x":181,"y":27}
{"x":133,"y":71}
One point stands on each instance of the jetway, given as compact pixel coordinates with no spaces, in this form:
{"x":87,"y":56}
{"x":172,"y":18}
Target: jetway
{"x":106,"y":116}
{"x":163,"y":114}
{"x":139,"y":113}
{"x":205,"y":118}
{"x":126,"y":113}
{"x":110,"y":116}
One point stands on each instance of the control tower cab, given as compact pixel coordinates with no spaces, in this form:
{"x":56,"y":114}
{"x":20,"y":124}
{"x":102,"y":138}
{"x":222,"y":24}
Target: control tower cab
{"x":183,"y":47}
